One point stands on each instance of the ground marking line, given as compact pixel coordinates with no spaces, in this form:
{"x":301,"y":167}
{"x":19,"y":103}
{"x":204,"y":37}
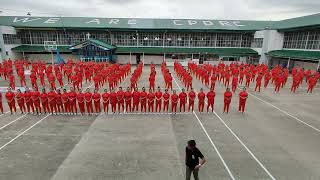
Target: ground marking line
{"x":249,"y":151}
{"x":4,"y":113}
{"x":13,"y":121}
{"x":285,"y":112}
{"x":241,"y":142}
{"x":212,"y":143}
{"x":23,"y":132}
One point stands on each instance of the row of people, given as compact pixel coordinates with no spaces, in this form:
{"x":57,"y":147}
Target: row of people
{"x":71,"y":101}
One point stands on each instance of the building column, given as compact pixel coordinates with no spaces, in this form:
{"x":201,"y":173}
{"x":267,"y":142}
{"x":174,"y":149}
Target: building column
{"x":143,"y":57}
{"x":191,"y":56}
{"x":130,"y":58}
{"x":3,"y":50}
{"x":164,"y":57}
{"x":288,"y":64}
{"x":24,"y":57}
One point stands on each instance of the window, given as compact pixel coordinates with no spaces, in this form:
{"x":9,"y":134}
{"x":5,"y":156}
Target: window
{"x":133,"y":38}
{"x":302,"y":40}
{"x":11,"y":39}
{"x":150,"y":39}
{"x":257,"y":43}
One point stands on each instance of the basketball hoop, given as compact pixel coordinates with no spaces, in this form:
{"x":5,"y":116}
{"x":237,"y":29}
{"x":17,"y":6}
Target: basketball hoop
{"x":50,"y":46}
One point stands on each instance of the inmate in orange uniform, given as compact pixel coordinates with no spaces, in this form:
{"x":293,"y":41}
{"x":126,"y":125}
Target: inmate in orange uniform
{"x":128,"y":99}
{"x":44,"y":101}
{"x":174,"y":101}
{"x":158,"y":95}
{"x":136,"y":99}
{"x":166,"y":98}
{"x":143,"y":100}
{"x":151,"y":98}
{"x":96,"y":100}
{"x":113,"y":101}
{"x":21,"y":101}
{"x":210,"y":96}
{"x":11,"y":100}
{"x":52,"y":101}
{"x":201,"y":97}
{"x":105,"y":100}
{"x":120,"y":99}
{"x":227,"y":100}
{"x":73,"y":101}
{"x":88,"y":99}
{"x":80,"y":100}
{"x":65,"y":101}
{"x":59,"y":101}
{"x":36,"y":100}
{"x":192,"y":96}
{"x":243,"y":95}
{"x":183,"y":100}
{"x":28,"y":99}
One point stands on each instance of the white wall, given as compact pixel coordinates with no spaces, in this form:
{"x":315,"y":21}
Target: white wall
{"x":273,"y":40}
{"x":123,"y":59}
{"x":11,"y":54}
{"x":8,"y":30}
{"x":7,"y":47}
{"x":306,"y":65}
{"x":155,"y":59}
{"x":47,"y":57}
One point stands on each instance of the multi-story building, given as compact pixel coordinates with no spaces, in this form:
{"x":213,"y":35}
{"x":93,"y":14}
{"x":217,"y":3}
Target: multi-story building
{"x":291,"y":42}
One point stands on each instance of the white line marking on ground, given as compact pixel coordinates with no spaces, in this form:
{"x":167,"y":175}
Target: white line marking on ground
{"x":13,"y":121}
{"x":249,"y":151}
{"x":241,"y":142}
{"x":212,"y":143}
{"x":23,"y":132}
{"x":4,"y":113}
{"x":285,"y":112}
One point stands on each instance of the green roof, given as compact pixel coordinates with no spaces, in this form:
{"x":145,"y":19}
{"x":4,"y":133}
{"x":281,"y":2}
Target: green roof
{"x":296,"y":54}
{"x":299,"y":22}
{"x":96,"y":42}
{"x":161,"y":50}
{"x":132,"y":23}
{"x":34,"y":48}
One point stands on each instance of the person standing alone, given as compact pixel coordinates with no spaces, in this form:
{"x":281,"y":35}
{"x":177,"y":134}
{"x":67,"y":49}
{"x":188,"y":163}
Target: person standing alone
{"x":193,"y":163}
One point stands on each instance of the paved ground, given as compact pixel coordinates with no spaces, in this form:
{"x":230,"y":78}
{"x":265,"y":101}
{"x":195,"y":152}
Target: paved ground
{"x":277,"y":138}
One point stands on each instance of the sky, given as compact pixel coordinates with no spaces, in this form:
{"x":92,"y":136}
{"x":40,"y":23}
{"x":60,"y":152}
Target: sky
{"x":172,"y":9}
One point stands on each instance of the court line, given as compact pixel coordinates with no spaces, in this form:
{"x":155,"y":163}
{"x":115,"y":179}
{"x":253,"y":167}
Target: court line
{"x":242,"y":143}
{"x":13,"y":121}
{"x":4,"y":113}
{"x":212,"y":143}
{"x":285,"y":112}
{"x":249,"y":151}
{"x":23,"y":132}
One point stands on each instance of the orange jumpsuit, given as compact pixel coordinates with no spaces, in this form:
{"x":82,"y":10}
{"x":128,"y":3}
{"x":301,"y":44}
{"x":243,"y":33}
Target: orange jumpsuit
{"x":227,"y":101}
{"x":210,"y":97}
{"x":192,"y":96}
{"x":183,"y":100}
{"x":242,"y":100}
{"x":88,"y":99}
{"x":201,"y":97}
{"x":158,"y":101}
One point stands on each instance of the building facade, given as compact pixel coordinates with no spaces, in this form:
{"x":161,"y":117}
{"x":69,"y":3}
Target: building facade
{"x":291,"y":42}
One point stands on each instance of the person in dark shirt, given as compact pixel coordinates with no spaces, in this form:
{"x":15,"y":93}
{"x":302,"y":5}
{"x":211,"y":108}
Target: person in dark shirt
{"x":193,"y":163}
